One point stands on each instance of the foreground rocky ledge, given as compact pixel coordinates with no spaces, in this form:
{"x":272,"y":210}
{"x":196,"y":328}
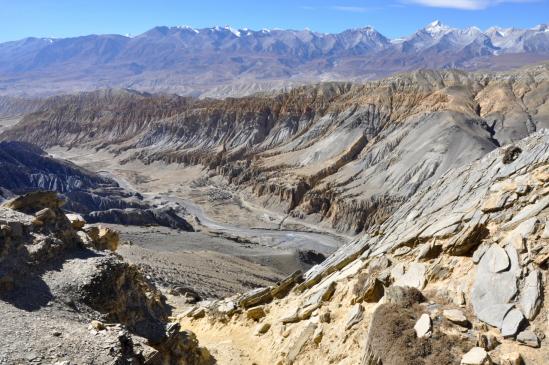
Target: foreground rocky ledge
{"x":67,"y":298}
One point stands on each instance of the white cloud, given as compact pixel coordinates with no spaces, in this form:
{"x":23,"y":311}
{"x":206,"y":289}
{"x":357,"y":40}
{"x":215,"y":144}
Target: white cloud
{"x":351,"y":9}
{"x":464,"y":4}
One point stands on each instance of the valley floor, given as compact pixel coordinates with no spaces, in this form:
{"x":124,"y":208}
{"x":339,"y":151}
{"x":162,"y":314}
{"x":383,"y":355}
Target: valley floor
{"x":237,"y":245}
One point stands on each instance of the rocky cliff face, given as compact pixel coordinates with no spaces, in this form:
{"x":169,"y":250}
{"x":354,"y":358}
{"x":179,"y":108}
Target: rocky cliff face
{"x":338,"y":154}
{"x":456,"y":275}
{"x":25,"y":168}
{"x":67,"y":298}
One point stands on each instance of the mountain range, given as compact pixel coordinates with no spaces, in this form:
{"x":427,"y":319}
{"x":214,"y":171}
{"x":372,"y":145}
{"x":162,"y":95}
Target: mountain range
{"x":222,"y":61}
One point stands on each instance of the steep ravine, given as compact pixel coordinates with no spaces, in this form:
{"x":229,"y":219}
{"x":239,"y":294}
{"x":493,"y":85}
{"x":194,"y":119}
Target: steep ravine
{"x":335,"y":154}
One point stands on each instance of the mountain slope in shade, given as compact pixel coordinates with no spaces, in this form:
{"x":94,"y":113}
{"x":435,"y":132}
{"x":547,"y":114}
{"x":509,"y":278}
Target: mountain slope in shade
{"x":218,"y":61}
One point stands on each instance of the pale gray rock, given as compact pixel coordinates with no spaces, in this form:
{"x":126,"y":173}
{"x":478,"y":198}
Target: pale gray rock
{"x":291,"y":316}
{"x":413,"y":276}
{"x":301,"y":340}
{"x":475,"y":356}
{"x":495,"y":288}
{"x":545,"y":233}
{"x":527,"y":228}
{"x":512,"y":322}
{"x":498,"y":259}
{"x":324,"y":293}
{"x":531,"y":295}
{"x":479,"y":252}
{"x":528,"y":338}
{"x":255,"y":297}
{"x":423,"y":326}
{"x":355,"y":316}
{"x":530,"y":211}
{"x":494,"y":314}
{"x":455,"y":316}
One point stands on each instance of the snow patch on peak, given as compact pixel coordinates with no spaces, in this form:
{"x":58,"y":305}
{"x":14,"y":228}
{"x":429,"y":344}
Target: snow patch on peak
{"x":541,"y":28}
{"x":236,"y":32}
{"x":436,"y":27}
{"x":187,"y":27}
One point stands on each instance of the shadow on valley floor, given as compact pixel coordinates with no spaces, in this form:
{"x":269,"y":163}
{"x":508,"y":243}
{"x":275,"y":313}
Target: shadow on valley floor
{"x":30,"y":292}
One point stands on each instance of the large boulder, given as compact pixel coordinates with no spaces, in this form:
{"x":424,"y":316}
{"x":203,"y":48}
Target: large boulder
{"x":496,"y":283}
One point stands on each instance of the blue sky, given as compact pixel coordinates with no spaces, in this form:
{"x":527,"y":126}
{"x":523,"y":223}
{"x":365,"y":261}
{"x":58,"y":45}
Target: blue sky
{"x":393,"y":18}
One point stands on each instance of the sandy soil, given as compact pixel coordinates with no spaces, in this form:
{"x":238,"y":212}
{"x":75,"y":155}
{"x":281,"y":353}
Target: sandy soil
{"x":212,"y":266}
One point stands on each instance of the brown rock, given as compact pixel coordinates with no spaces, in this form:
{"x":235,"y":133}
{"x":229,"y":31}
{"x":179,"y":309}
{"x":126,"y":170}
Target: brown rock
{"x":368,"y":289}
{"x":255,"y":313}
{"x":33,"y":202}
{"x":103,"y":238}
{"x":77,"y":222}
{"x":262,"y":328}
{"x":512,"y":358}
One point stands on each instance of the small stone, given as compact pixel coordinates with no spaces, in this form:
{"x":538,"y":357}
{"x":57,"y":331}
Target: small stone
{"x":428,"y":251}
{"x":459,"y":298}
{"x":511,"y":323}
{"x":255,"y":297}
{"x":479,"y":252}
{"x":300,"y":341}
{"x":456,"y":316}
{"x":77,"y":222}
{"x":317,"y":336}
{"x":355,"y":316}
{"x":228,"y":308}
{"x":531,"y":295}
{"x":262,"y":328}
{"x":476,"y":356}
{"x":379,"y":264}
{"x":487,"y":341}
{"x":527,"y":228}
{"x":255,"y":313}
{"x":512,"y":358}
{"x":414,"y":276}
{"x":517,"y":241}
{"x":423,"y":326}
{"x":45,"y":214}
{"x":545,"y":233}
{"x":402,"y":251}
{"x":292,"y":316}
{"x":499,"y":261}
{"x":494,"y":203}
{"x":97,"y":325}
{"x":369,"y":290}
{"x":197,"y":313}
{"x":528,"y":338}
{"x":325,"y":317}
{"x":305,"y":313}
{"x":56,"y":333}
{"x":322,"y":295}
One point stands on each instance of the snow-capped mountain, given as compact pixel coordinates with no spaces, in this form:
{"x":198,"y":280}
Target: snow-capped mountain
{"x":512,"y":40}
{"x":186,"y":60}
